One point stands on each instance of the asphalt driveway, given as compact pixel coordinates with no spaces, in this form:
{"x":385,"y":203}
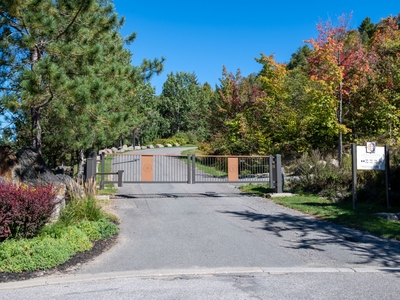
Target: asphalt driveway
{"x":213,"y":226}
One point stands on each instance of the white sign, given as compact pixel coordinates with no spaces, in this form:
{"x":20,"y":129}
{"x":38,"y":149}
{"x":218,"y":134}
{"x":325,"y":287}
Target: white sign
{"x":367,"y":160}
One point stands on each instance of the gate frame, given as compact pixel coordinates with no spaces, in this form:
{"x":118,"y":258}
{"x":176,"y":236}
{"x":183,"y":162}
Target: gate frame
{"x":276,"y":176}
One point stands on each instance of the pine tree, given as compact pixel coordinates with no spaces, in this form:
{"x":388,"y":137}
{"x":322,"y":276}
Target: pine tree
{"x":66,"y":76}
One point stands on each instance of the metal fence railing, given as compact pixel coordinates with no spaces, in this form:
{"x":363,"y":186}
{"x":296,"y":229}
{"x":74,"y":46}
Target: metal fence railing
{"x":189,"y":169}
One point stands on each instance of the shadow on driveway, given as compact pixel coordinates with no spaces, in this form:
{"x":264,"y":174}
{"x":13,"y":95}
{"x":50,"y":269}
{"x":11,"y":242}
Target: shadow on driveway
{"x":316,"y":234}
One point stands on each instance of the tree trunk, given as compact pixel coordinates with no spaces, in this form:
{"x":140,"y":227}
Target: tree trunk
{"x":133,"y":138}
{"x":80,"y":158}
{"x":36,"y":129}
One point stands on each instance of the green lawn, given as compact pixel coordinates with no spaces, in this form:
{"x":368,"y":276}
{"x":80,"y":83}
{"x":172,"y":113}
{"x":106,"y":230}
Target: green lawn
{"x":341,"y":213}
{"x":109,"y":188}
{"x":205,"y":168}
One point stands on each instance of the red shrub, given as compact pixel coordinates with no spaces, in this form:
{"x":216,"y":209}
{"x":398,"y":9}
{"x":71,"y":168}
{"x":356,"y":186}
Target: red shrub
{"x":24,"y":210}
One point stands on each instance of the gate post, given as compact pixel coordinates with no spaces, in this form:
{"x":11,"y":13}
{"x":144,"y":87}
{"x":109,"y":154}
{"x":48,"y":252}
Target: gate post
{"x":120,"y":173}
{"x":189,"y":160}
{"x":90,"y":168}
{"x":278,"y":174}
{"x":271,"y":172}
{"x":102,"y":157}
{"x":193,"y":169}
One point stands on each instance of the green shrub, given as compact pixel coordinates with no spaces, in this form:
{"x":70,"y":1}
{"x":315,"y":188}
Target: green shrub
{"x":42,"y":252}
{"x":98,"y":230}
{"x":319,"y":175}
{"x":181,"y":138}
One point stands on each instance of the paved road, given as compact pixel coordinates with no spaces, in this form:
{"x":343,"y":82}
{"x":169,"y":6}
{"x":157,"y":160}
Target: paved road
{"x":181,"y":241}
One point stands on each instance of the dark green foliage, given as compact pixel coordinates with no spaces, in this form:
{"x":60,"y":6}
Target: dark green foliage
{"x":183,"y":106}
{"x":69,"y":82}
{"x":367,"y":30}
{"x":299,"y":59}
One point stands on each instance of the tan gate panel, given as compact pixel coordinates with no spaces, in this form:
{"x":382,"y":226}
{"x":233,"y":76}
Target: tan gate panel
{"x":147,"y":168}
{"x":233,"y":170}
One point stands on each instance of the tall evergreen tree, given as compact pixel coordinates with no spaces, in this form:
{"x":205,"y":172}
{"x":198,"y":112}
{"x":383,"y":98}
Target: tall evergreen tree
{"x":65,"y":74}
{"x":366,"y":30}
{"x":179,"y":102}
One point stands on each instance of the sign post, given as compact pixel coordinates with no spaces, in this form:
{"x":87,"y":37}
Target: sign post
{"x":370,"y":157}
{"x":354,"y":172}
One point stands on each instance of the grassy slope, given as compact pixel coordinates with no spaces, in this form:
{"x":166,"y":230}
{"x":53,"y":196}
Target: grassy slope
{"x":338,"y":212}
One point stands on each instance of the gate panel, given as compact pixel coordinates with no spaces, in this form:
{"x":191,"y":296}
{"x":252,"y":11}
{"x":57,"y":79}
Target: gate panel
{"x":233,"y":170}
{"x":191,"y":169}
{"x":147,"y":168}
{"x":150,"y":168}
{"x":219,"y":169}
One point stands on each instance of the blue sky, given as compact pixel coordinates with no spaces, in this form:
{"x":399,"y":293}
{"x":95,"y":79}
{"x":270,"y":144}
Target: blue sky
{"x":202,"y":36}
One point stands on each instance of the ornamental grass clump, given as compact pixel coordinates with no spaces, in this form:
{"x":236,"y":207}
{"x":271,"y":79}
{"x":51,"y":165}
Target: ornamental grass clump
{"x":24,"y":210}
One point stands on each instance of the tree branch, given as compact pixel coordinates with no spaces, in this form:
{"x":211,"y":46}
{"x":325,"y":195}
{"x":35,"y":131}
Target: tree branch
{"x":72,"y":21}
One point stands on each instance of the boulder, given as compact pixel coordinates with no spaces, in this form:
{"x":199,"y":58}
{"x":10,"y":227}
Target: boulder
{"x":73,"y":189}
{"x":114,"y":150}
{"x":8,"y":161}
{"x":159,"y":146}
{"x":150,"y":146}
{"x":125,"y":147}
{"x":144,"y":147}
{"x":130,"y":148}
{"x":2,"y":180}
{"x":31,"y":169}
{"x":176,"y":145}
{"x":138,"y":147}
{"x":103,"y":151}
{"x":67,"y":170}
{"x":168,"y":145}
{"x":27,"y":167}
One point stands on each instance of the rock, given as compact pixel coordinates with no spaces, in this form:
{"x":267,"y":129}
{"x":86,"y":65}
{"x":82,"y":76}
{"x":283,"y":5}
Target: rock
{"x":159,"y":146}
{"x":150,"y":146}
{"x":114,"y":150}
{"x":130,"y":148}
{"x":104,"y":151}
{"x":28,"y":167}
{"x":73,"y":189}
{"x":2,"y":180}
{"x":125,"y":147}
{"x":8,"y":161}
{"x":388,"y":216}
{"x":31,"y":169}
{"x":138,"y":147}
{"x":108,"y":151}
{"x":168,"y":145}
{"x":176,"y":145}
{"x":334,"y":162}
{"x":63,"y":170}
{"x":144,"y":147}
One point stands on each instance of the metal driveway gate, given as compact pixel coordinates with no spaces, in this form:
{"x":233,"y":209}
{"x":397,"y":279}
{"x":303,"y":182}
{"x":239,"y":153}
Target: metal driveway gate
{"x":137,"y":168}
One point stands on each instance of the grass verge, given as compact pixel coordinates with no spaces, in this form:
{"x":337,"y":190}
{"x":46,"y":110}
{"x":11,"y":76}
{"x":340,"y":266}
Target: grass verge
{"x":341,"y":213}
